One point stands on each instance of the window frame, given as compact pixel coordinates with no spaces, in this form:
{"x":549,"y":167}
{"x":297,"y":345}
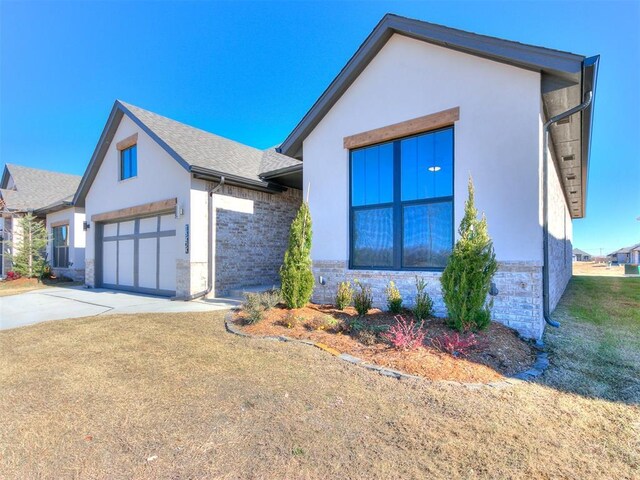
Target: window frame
{"x":398,"y":204}
{"x":121,"y":152}
{"x":54,"y":248}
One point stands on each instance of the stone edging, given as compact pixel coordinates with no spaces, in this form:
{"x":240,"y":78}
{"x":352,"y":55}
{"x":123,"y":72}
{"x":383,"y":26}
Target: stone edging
{"x":538,"y":368}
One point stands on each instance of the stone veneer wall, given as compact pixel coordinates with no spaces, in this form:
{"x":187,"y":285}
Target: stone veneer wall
{"x":250,"y":247}
{"x":89,"y":273}
{"x":517,"y":305}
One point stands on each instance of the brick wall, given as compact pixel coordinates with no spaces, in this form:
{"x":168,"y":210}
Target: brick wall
{"x":517,"y":305}
{"x":252,"y":231}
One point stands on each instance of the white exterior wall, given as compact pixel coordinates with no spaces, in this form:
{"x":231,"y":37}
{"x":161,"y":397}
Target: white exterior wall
{"x":74,"y":217}
{"x":496,"y":140}
{"x":160,"y":177}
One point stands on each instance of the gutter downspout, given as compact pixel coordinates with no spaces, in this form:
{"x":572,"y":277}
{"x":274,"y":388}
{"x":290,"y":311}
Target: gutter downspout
{"x":206,"y":292}
{"x":545,"y":203}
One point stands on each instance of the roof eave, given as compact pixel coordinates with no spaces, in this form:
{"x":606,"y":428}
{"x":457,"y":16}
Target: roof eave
{"x":209,"y":174}
{"x":553,"y":62}
{"x":589,"y":81}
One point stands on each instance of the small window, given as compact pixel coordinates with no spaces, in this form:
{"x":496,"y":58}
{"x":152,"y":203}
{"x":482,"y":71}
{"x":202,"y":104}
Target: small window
{"x":129,"y":162}
{"x":61,"y":246}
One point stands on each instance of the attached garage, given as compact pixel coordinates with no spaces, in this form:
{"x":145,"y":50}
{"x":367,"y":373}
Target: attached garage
{"x":138,"y":254}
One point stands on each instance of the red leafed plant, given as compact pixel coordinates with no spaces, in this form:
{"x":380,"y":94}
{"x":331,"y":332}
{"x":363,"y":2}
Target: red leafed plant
{"x":454,"y":344}
{"x":405,"y":335}
{"x":11,"y":275}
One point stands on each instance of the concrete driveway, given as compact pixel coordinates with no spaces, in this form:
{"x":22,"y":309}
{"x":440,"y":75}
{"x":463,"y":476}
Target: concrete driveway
{"x":72,"y":302}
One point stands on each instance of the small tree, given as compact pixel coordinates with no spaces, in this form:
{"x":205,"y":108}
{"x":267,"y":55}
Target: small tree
{"x":466,"y":280}
{"x":30,"y":258}
{"x":295,"y":273}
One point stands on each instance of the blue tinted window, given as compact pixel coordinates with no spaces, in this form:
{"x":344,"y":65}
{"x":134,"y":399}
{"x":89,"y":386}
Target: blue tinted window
{"x":128,"y":163}
{"x":372,"y":175}
{"x":427,"y":235}
{"x":427,"y":165}
{"x":373,"y":237}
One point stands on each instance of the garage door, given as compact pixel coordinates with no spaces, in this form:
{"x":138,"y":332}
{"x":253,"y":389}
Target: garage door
{"x":139,"y":255}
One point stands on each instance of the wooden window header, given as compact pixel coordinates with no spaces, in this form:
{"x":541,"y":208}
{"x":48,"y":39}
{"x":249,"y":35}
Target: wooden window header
{"x":127,"y":142}
{"x":137,"y":211}
{"x":403,"y":129}
{"x":61,"y":223}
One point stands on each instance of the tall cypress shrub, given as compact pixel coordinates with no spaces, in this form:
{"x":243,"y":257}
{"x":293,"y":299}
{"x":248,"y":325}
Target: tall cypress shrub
{"x":466,"y":280}
{"x":295,"y":274}
{"x":30,"y":258}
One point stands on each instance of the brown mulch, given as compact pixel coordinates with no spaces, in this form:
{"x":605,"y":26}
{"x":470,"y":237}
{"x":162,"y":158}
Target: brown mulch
{"x":498,"y":353}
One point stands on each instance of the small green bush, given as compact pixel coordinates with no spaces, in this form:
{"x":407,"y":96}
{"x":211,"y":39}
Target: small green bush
{"x":394,"y":298}
{"x":362,"y":298}
{"x":344,"y":296}
{"x":423,"y":308}
{"x":291,"y":320}
{"x":255,"y":304}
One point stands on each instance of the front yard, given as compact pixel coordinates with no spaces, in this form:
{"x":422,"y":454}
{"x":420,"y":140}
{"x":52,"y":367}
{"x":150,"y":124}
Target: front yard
{"x":175,"y":396}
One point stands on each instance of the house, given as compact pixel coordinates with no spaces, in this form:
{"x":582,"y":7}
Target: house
{"x":581,"y":256}
{"x":626,"y":255}
{"x":176,"y":211}
{"x":389,"y":146}
{"x":48,"y":196}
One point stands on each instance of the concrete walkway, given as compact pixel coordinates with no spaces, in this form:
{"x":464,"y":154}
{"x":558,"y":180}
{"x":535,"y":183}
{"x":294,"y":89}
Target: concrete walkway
{"x":72,"y":302}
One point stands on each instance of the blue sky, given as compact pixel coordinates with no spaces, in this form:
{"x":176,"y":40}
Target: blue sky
{"x":250,"y":71}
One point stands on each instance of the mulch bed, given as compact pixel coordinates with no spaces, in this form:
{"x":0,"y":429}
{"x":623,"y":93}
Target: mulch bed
{"x":498,"y":353}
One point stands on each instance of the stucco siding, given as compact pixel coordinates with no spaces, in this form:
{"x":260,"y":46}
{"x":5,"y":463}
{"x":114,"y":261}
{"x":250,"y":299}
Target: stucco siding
{"x":159,"y":177}
{"x":73,"y":217}
{"x":496,"y":140}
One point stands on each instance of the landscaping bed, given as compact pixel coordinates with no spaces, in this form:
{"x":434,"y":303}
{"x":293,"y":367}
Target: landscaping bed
{"x":498,"y":351}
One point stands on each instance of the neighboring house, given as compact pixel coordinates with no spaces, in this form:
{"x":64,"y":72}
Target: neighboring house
{"x":626,"y":255}
{"x":173,"y":210}
{"x":47,"y":195}
{"x":389,"y":146}
{"x":581,"y":256}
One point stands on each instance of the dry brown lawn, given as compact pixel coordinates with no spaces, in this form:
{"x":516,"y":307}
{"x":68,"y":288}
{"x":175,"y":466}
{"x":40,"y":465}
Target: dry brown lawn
{"x":23,"y":285}
{"x":597,"y":269}
{"x":175,"y":396}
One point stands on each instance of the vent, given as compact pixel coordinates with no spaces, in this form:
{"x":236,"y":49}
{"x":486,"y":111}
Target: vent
{"x":573,"y":192}
{"x":574,"y":201}
{"x":569,"y":158}
{"x":564,"y":121}
{"x":571,"y":176}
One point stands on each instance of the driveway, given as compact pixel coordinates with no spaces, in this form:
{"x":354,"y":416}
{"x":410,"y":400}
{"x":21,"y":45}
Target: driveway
{"x":72,"y":302}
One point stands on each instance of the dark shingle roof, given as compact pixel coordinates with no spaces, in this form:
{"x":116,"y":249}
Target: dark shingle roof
{"x":35,"y":188}
{"x":577,"y":251}
{"x":207,"y":150}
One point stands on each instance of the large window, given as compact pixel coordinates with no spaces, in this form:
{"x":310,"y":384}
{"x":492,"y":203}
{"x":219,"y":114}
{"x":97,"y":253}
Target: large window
{"x":128,"y":162}
{"x":402,"y":203}
{"x":61,"y":246}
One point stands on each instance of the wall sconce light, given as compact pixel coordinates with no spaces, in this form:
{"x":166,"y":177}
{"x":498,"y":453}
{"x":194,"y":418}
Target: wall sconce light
{"x":179,"y":211}
{"x":85,"y":225}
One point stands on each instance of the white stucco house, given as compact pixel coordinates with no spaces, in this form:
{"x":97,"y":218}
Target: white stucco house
{"x":48,"y":196}
{"x":388,"y":148}
{"x":176,"y":211}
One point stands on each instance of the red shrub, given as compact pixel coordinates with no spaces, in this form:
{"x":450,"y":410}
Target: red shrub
{"x":405,"y":335}
{"x":11,"y":275}
{"x":454,"y":344}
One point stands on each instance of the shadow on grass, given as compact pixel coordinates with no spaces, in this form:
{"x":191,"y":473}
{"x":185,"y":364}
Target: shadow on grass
{"x":596,"y":351}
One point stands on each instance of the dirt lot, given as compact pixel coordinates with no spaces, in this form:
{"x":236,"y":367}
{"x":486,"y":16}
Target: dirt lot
{"x":175,"y":396}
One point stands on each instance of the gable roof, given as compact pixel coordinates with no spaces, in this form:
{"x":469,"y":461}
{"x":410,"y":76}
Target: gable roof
{"x":565,"y":79}
{"x":198,"y":151}
{"x":577,"y":251}
{"x":35,"y":188}
{"x":626,"y":249}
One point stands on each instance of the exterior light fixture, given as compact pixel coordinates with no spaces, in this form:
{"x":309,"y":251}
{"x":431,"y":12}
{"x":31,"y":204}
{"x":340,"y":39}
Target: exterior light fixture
{"x":85,"y":225}
{"x":434,"y":169}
